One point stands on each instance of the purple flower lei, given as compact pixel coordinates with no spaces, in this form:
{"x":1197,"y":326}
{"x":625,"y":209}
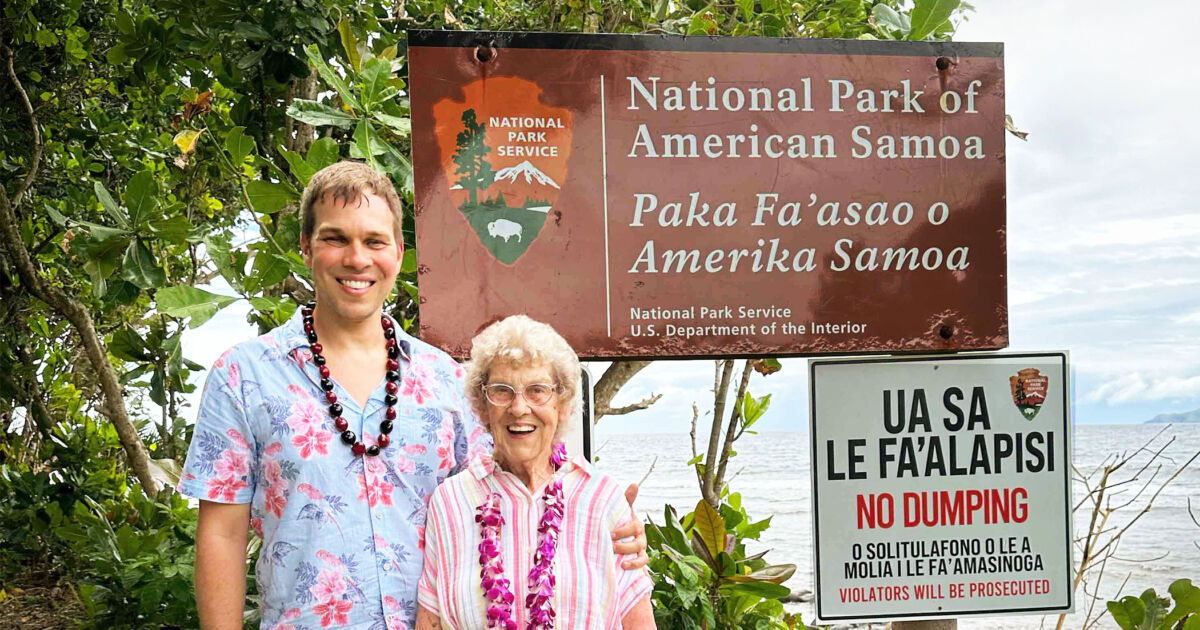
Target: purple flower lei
{"x":541,"y":576}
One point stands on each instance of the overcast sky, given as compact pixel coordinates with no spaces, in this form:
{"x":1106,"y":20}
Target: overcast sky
{"x":1103,"y":220}
{"x":1103,"y":228}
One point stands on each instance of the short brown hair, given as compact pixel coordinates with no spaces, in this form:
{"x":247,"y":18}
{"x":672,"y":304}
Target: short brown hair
{"x":347,"y":181}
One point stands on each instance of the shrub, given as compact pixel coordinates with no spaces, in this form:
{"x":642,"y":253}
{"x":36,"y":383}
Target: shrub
{"x":1149,"y":612}
{"x":703,"y":577}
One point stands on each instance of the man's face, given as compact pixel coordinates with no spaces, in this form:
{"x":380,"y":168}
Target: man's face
{"x":354,"y":255}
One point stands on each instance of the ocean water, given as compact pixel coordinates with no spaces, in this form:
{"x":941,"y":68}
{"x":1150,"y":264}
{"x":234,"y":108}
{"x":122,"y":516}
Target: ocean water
{"x":771,"y":471}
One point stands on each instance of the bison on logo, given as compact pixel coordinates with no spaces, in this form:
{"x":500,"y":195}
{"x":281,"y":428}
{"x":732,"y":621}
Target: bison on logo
{"x":1029,"y":388}
{"x":504,"y":154}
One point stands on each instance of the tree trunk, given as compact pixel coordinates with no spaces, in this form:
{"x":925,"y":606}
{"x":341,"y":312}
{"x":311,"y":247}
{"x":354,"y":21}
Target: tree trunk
{"x":720,"y":389}
{"x":66,"y":306}
{"x":81,"y":320}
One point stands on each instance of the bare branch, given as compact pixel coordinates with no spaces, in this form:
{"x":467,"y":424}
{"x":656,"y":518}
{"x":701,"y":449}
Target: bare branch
{"x":647,"y":475}
{"x":709,"y":488}
{"x":36,"y":157}
{"x":614,"y":378}
{"x":620,"y":411}
{"x":735,"y":416}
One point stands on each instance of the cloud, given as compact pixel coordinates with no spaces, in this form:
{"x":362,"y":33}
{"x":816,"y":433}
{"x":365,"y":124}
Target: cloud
{"x":1135,"y":387}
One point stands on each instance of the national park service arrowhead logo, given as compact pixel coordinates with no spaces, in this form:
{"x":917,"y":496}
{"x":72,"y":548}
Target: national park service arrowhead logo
{"x":504,"y":154}
{"x":1029,"y":388}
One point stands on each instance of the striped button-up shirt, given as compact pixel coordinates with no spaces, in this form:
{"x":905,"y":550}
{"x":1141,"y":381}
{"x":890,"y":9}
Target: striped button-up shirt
{"x":592,"y":590}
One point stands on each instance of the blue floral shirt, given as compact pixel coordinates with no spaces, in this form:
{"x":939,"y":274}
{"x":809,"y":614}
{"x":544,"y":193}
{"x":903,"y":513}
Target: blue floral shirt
{"x":341,"y":535}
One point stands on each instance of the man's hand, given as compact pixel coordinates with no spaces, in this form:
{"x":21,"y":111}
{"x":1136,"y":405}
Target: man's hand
{"x":221,"y":534}
{"x":635,"y":529}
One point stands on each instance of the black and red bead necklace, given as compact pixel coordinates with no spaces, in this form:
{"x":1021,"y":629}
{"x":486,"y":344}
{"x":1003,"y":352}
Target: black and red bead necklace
{"x":335,"y":408}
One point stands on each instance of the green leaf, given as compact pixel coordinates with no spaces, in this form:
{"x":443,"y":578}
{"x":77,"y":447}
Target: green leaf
{"x":116,"y":55}
{"x":188,"y":301}
{"x":269,"y":270}
{"x":140,"y":267}
{"x":126,"y":344}
{"x":173,"y":230}
{"x":929,"y":15}
{"x":753,"y":408}
{"x":1187,"y":601}
{"x":125,"y":23}
{"x":376,"y":74}
{"x":762,"y":590}
{"x":322,"y":153}
{"x":110,"y":205}
{"x":330,"y":76}
{"x":400,"y":125}
{"x":141,"y":195}
{"x":300,"y":168}
{"x":746,"y":7}
{"x":350,"y":44}
{"x":775,"y":573}
{"x":409,"y":263}
{"x":753,"y":530}
{"x":1156,"y":608}
{"x":314,"y":113}
{"x":99,"y":285}
{"x":710,"y":526}
{"x":888,"y":17}
{"x":366,"y":145}
{"x":269,"y":197}
{"x":238,"y":145}
{"x":251,"y":31}
{"x":217,"y":247}
{"x":269,"y":304}
{"x":1193,"y":623}
{"x":252,"y":58}
{"x":55,"y":215}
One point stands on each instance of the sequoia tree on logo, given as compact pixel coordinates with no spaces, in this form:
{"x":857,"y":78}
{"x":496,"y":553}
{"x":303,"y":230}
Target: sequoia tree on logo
{"x":509,"y":154}
{"x":1028,"y":388}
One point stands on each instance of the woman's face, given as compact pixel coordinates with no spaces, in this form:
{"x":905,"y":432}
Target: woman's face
{"x":523,"y":433}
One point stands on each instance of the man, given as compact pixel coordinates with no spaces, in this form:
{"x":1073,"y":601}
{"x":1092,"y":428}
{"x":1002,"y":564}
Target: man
{"x":328,"y":434}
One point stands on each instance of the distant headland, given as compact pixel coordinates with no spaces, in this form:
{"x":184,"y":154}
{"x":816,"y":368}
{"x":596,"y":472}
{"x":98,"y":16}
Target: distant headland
{"x":1184,"y":417}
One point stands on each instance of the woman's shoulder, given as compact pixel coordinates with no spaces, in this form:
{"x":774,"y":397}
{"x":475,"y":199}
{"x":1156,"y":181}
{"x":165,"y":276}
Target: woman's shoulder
{"x":452,"y":489}
{"x":599,"y":489}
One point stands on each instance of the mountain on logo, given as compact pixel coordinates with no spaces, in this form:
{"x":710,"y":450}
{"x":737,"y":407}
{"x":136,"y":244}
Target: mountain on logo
{"x":530,"y":172}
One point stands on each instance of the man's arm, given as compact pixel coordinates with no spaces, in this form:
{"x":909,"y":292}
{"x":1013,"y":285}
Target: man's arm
{"x":221,"y":533}
{"x":634,"y":529}
{"x":641,"y":617}
{"x":427,"y":620}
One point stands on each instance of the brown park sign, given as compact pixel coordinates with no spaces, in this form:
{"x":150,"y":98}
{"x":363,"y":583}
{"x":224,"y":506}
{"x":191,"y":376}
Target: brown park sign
{"x":668,"y":196}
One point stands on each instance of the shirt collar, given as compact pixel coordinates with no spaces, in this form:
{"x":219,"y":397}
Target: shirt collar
{"x":290,"y":336}
{"x":482,"y":465}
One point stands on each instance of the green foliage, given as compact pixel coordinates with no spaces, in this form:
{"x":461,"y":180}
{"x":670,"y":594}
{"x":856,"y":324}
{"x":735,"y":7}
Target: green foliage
{"x":175,"y":137}
{"x":128,"y":558}
{"x":1151,"y":612}
{"x":703,"y":577}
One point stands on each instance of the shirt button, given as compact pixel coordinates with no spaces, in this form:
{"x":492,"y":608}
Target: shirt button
{"x":378,"y":516}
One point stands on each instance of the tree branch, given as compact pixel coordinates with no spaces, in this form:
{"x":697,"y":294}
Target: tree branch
{"x":36,"y":158}
{"x":637,"y":406}
{"x":720,"y":391}
{"x":734,"y":416}
{"x":73,"y":311}
{"x":614,"y":378}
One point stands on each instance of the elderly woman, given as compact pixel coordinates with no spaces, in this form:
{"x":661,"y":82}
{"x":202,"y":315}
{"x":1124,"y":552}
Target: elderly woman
{"x":521,"y":539}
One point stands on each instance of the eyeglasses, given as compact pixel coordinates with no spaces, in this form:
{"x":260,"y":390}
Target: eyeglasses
{"x":503,"y":394}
